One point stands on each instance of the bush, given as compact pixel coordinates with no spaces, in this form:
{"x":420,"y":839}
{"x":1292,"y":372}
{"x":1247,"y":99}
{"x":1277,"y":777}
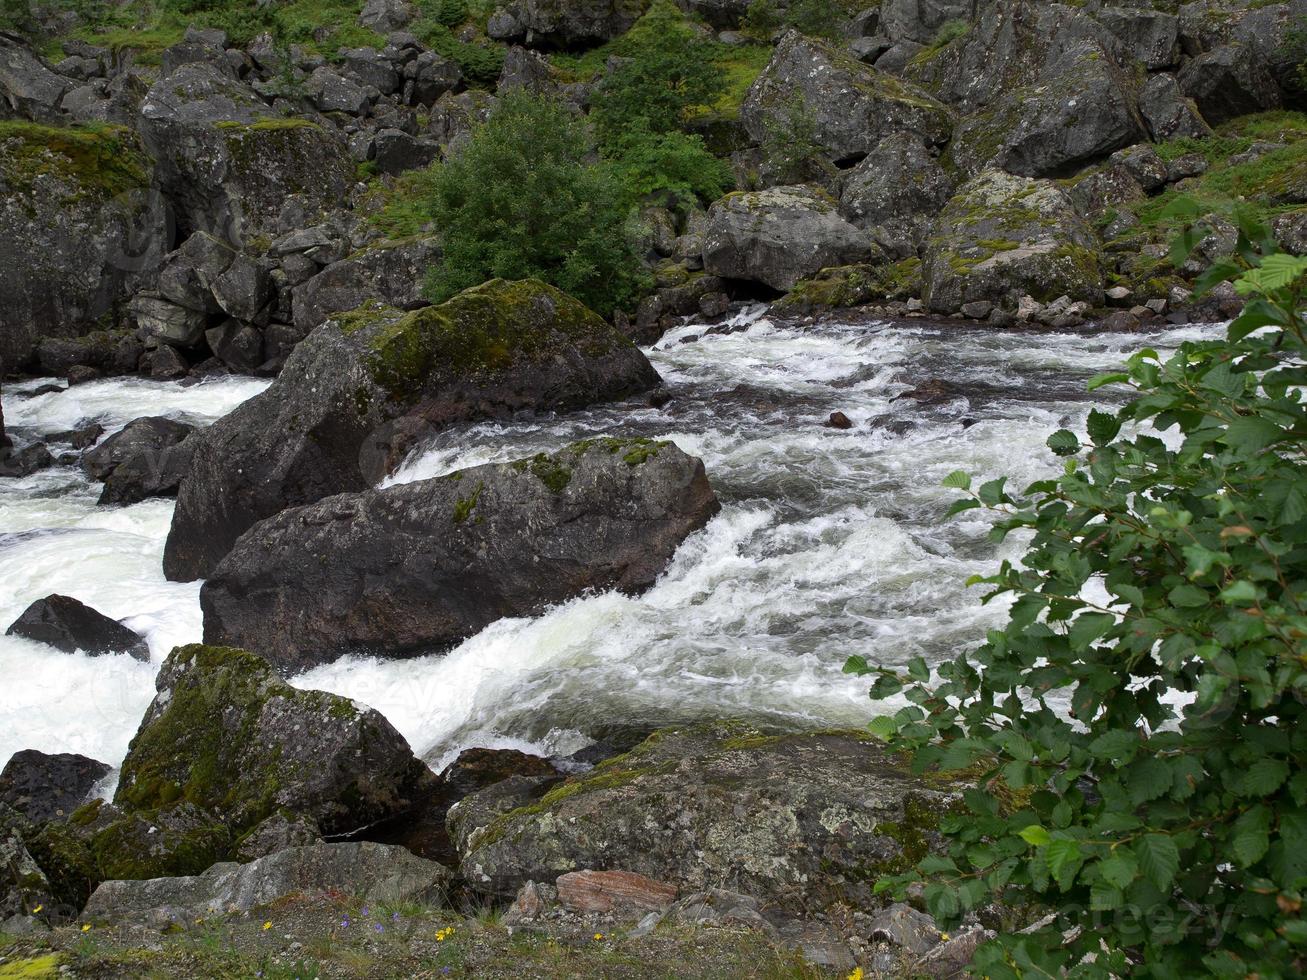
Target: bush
{"x":521,"y":200}
{"x":1142,"y":712}
{"x":674,"y":165}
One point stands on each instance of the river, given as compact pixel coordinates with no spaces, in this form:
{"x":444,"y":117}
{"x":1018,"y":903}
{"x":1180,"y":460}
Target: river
{"x":830,"y":542}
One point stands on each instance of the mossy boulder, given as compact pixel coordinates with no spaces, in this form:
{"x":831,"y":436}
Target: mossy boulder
{"x":365,"y":387}
{"x":564,"y":24}
{"x":801,"y":821}
{"x":414,"y":568}
{"x":81,"y":229}
{"x":848,"y":106}
{"x":852,"y":285}
{"x":1002,"y":237}
{"x":228,"y":164}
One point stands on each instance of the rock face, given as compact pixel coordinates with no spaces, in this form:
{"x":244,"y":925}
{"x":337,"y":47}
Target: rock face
{"x":564,"y":23}
{"x":357,"y":393}
{"x":28,"y":88}
{"x":68,"y":625}
{"x":779,"y":236}
{"x":390,"y":273}
{"x":24,"y":887}
{"x":851,"y":106}
{"x":1229,"y":81}
{"x":371,"y":872}
{"x":228,"y":164}
{"x":1002,"y":237}
{"x":897,"y":188}
{"x":421,"y":566}
{"x":45,"y":787}
{"x":801,"y":821}
{"x":147,"y":458}
{"x":227,"y":735}
{"x":81,"y":231}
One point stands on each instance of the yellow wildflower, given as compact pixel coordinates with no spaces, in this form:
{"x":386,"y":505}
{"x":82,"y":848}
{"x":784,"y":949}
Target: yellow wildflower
{"x":37,"y":909}
{"x":87,"y":927}
{"x":267,"y":925}
{"x":599,"y":936}
{"x":943,"y":937}
{"x":856,"y":974}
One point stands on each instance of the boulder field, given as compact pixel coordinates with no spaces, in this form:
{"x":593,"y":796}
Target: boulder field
{"x":420,"y":566}
{"x":364,"y":388}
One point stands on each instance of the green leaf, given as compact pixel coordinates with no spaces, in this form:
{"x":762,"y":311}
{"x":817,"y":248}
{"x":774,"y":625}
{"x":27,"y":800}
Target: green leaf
{"x":1119,"y":869}
{"x":957,"y":480}
{"x":1240,"y":592}
{"x":1188,"y":597}
{"x":1264,"y":777}
{"x":960,"y":506}
{"x":1102,"y":427}
{"x":1063,"y":857}
{"x":1250,"y":433}
{"x":882,"y":726}
{"x":857,"y":665}
{"x":1063,"y":442}
{"x":1035,"y":835}
{"x":1159,"y":859}
{"x":1251,"y":836}
{"x":991,"y":491}
{"x":1088,"y":627}
{"x":1110,"y":378}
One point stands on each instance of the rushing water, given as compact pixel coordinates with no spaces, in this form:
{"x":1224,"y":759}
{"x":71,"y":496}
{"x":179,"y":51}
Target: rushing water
{"x":830,"y":542}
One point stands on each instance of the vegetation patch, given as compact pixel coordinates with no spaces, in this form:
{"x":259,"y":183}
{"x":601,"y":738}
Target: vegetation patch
{"x":100,"y":159}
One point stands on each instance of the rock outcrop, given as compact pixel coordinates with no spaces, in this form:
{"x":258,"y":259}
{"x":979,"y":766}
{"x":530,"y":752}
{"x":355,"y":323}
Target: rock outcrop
{"x":564,"y":23}
{"x":69,"y":625}
{"x":419,"y":567}
{"x":1003,"y":237}
{"x":147,"y":458}
{"x":391,"y":273}
{"x":45,"y":787}
{"x":800,"y":821}
{"x":778,"y":236}
{"x":356,"y":395}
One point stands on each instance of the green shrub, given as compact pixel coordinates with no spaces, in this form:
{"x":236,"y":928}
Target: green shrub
{"x":1143,"y":709}
{"x":520,"y":200}
{"x":675,"y":165}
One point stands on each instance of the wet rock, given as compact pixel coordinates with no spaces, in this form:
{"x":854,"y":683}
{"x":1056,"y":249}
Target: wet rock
{"x":68,"y":625}
{"x":779,"y":236}
{"x":1228,"y":82}
{"x":168,"y":323}
{"x":112,"y":352}
{"x":166,"y":363}
{"x":1122,"y":321}
{"x":26,"y":461}
{"x":838,"y":420}
{"x":390,"y":273}
{"x":476,"y":769}
{"x":852,"y":106}
{"x":1169,"y":113}
{"x":237,"y":345}
{"x":355,"y":396}
{"x":1002,"y":237}
{"x":228,"y":735}
{"x":805,"y":814}
{"x":146,"y":436}
{"x":473,"y":813}
{"x":613,"y":891}
{"x":421,"y":566}
{"x":143,"y":475}
{"x":45,"y":787}
{"x":368,"y":871}
{"x":82,"y":438}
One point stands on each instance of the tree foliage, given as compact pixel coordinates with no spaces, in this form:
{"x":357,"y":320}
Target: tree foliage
{"x":1143,"y":709}
{"x":521,"y":199}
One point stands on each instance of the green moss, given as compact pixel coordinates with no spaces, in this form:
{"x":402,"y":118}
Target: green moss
{"x":464,"y":506}
{"x":31,"y":968}
{"x":551,"y":471}
{"x":100,"y":160}
{"x":272,"y":125}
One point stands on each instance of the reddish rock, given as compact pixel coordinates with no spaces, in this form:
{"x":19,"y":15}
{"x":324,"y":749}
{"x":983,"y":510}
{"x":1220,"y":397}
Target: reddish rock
{"x":604,"y":891}
{"x":838,"y":420}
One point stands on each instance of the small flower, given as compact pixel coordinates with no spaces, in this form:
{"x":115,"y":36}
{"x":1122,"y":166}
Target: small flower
{"x":379,"y":927}
{"x":856,"y":974}
{"x":37,"y":909}
{"x":344,"y":923}
{"x":943,"y":936}
{"x":267,"y":925}
{"x":364,"y":910}
{"x":599,"y":936}
{"x":87,"y":927}
{"x":394,"y":916}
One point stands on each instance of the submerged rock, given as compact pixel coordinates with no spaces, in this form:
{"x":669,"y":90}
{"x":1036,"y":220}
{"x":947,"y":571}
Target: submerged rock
{"x":802,"y":821}
{"x":45,"y":787}
{"x":1002,"y":237}
{"x":69,"y":625}
{"x":419,"y":567}
{"x":356,"y":395}
{"x":366,"y":871}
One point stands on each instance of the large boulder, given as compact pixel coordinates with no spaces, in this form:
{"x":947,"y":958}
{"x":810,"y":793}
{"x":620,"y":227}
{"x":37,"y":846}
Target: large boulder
{"x":69,"y":625}
{"x":419,"y":567}
{"x":147,"y":458}
{"x":388,"y":272}
{"x":1230,"y":81}
{"x":1078,"y":113}
{"x":227,"y":735}
{"x":778,"y":236}
{"x":45,"y":787}
{"x":919,"y":20}
{"x":897,"y":189}
{"x":361,"y":389}
{"x":150,"y":435}
{"x":564,"y":23}
{"x":228,"y":163}
{"x":1002,"y":237}
{"x":81,"y":231}
{"x":1168,"y":112}
{"x":801,"y":821}
{"x":1151,"y":37}
{"x":849,"y":106}
{"x":24,"y":889}
{"x":29,"y":89}
{"x":365,"y":871}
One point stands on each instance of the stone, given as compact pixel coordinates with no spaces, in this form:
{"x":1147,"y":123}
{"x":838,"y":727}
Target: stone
{"x":918,"y":20}
{"x":68,"y":625}
{"x":70,"y":268}
{"x":389,"y":272}
{"x":226,"y":734}
{"x":477,"y":768}
{"x":111,"y":352}
{"x":526,"y":69}
{"x":428,"y":77}
{"x":396,"y":152}
{"x":82,"y":438}
{"x":166,"y":363}
{"x":454,"y":117}
{"x":364,"y":870}
{"x":852,"y":106}
{"x":1104,"y":191}
{"x":590,"y":892}
{"x":952,"y":957}
{"x":29,"y":88}
{"x":1003,"y":237}
{"x":188,"y":271}
{"x":356,"y":395}
{"x":197,"y":46}
{"x":1143,"y":163}
{"x":1169,"y":113}
{"x":385,"y":16}
{"x":229,"y":164}
{"x":24,"y":888}
{"x":977,"y":310}
{"x":1151,"y":37}
{"x":564,"y":24}
{"x":799,"y":822}
{"x":146,"y":474}
{"x":243,"y":289}
{"x":899,"y":186}
{"x":1227,"y":82}
{"x":714,"y":305}
{"x":276,"y":833}
{"x":779,"y":236}
{"x":45,"y":787}
{"x":371,"y":69}
{"x":532,"y":901}
{"x":905,"y":927}
{"x":838,"y":420}
{"x":148,"y":436}
{"x":238,"y":345}
{"x":26,"y":461}
{"x":418,"y":567}
{"x":168,"y":323}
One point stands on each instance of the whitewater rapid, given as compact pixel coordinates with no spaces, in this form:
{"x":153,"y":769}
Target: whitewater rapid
{"x":830,"y":542}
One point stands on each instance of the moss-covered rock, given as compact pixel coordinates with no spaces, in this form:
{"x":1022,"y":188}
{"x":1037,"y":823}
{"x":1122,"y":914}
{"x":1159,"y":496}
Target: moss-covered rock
{"x":851,"y":285}
{"x":1002,"y":237}
{"x":799,"y":820}
{"x":365,"y":387}
{"x":409,"y":569}
{"x":81,"y":231}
